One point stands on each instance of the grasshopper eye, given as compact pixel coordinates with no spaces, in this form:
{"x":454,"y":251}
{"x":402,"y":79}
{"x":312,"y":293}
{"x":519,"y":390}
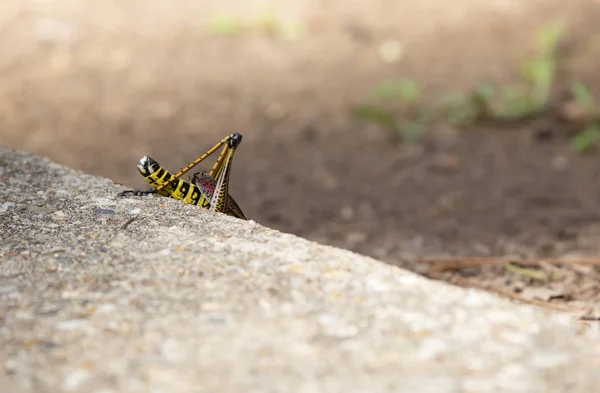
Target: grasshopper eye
{"x":143,"y":161}
{"x":143,"y":166}
{"x":148,"y":164}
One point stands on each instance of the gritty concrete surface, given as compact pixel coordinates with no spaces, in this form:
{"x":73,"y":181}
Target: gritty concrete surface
{"x":100,"y":294}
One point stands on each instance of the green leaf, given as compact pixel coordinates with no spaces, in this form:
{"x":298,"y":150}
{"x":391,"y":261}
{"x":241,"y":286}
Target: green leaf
{"x":548,"y":38}
{"x":225,"y":24}
{"x":539,"y":72}
{"x":516,"y":103}
{"x":405,"y":90}
{"x":376,"y":115}
{"x":583,"y":96}
{"x":484,"y":91}
{"x":482,"y":99}
{"x":586,"y":139}
{"x":268,"y":23}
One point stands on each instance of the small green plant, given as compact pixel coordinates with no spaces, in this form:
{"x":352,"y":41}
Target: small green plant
{"x":530,"y":96}
{"x":522,"y":100}
{"x":465,"y":108}
{"x":589,"y":137}
{"x":410,"y":130}
{"x":225,"y":24}
{"x":404,"y":90}
{"x":515,"y":103}
{"x":540,"y":71}
{"x":586,"y":139}
{"x":525,"y":99}
{"x":548,"y":38}
{"x":267,"y":24}
{"x":583,"y":97}
{"x":378,"y":116}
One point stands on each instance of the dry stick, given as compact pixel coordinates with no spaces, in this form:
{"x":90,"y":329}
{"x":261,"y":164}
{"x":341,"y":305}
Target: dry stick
{"x":441,"y":265}
{"x":466,"y":282}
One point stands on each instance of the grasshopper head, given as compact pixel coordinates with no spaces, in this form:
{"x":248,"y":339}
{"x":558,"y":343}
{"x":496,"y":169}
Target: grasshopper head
{"x":147,"y":166}
{"x":234,"y":140}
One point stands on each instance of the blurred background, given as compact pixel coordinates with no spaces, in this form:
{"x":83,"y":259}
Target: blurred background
{"x":392,"y":128}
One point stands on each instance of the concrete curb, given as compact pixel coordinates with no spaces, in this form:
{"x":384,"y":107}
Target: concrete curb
{"x":147,"y":294}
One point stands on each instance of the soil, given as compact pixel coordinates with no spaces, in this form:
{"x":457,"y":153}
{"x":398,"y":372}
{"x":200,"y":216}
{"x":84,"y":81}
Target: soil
{"x":95,"y":86}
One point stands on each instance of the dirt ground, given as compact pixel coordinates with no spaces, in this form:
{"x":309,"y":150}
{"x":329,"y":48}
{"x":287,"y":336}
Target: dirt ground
{"x":97,"y":85}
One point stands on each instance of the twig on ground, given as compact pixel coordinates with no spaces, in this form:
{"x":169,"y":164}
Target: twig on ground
{"x":439,"y":265}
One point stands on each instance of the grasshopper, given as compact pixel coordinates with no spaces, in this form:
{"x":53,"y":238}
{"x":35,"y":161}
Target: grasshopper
{"x":209,"y":190}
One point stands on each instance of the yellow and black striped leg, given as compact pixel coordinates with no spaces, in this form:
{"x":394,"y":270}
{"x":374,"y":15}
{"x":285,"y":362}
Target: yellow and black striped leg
{"x":221,"y":172}
{"x":196,"y":162}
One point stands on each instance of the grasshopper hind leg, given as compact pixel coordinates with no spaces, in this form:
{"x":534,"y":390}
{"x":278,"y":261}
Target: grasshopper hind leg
{"x":221,"y":173}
